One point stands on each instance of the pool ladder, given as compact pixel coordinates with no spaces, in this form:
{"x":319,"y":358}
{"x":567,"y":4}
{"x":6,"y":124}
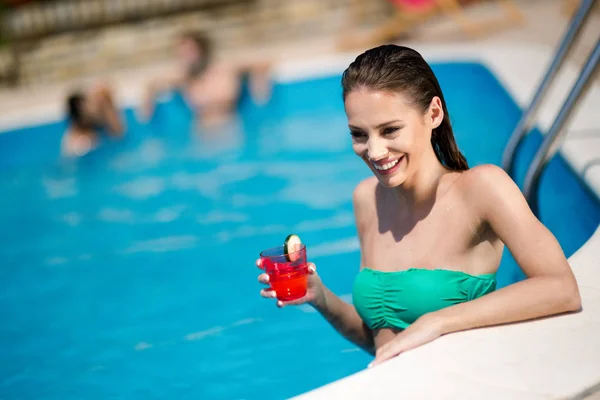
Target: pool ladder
{"x":557,"y":130}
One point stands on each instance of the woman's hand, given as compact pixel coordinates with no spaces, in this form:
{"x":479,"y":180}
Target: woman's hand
{"x":422,"y":331}
{"x":314,"y":293}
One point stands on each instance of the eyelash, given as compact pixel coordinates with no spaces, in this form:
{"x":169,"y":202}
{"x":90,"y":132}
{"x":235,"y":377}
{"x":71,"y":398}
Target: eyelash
{"x":357,"y":135}
{"x":386,"y":131}
{"x":390,"y":130}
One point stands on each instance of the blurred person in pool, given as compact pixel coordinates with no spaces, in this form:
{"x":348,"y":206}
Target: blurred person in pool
{"x":89,"y":115}
{"x":431,"y":229}
{"x":211,"y":88}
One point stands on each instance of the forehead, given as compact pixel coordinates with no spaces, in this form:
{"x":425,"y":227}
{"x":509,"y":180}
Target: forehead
{"x":187,"y":42}
{"x":376,"y":104}
{"x":184,"y":41}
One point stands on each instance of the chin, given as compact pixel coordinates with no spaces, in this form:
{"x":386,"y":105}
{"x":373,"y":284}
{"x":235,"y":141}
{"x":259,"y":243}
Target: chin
{"x":395,"y":179}
{"x":392,"y":181}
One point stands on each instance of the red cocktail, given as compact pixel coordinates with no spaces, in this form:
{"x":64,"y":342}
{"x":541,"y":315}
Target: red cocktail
{"x":288,"y":271}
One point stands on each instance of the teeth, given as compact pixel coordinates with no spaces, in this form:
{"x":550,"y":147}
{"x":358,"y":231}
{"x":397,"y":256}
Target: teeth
{"x":385,"y":167}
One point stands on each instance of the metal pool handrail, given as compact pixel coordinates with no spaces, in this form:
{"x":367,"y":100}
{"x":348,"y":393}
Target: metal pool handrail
{"x":524,"y":125}
{"x":557,"y":130}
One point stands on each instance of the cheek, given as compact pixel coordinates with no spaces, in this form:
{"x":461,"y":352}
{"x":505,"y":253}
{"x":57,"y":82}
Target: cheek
{"x":359,"y":148}
{"x":88,"y":109}
{"x":185,"y":54}
{"x":414,"y":141}
{"x":402,"y":144}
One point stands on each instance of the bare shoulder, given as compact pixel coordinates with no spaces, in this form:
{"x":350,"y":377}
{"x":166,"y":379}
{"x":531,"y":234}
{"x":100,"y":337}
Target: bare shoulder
{"x":363,"y":200}
{"x":484,"y":178}
{"x":489,"y":188}
{"x":364,"y":192}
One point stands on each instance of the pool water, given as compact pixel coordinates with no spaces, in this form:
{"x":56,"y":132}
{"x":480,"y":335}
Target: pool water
{"x":129,"y":273}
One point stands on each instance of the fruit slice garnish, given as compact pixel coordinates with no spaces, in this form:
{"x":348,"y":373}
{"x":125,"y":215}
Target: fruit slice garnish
{"x":291,"y":246}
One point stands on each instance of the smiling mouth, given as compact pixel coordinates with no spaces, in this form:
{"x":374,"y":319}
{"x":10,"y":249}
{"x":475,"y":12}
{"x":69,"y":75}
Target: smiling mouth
{"x":388,"y":167}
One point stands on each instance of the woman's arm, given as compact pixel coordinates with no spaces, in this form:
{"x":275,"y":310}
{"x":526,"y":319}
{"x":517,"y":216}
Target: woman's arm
{"x":154,"y":88}
{"x":344,"y":319}
{"x":260,"y":82}
{"x":341,"y":315}
{"x":110,"y":114}
{"x":550,"y":287}
{"x":104,"y":110}
{"x":258,"y":70}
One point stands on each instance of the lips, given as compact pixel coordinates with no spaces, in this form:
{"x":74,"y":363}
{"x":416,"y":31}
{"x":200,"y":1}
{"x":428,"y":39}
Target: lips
{"x":388,"y":167}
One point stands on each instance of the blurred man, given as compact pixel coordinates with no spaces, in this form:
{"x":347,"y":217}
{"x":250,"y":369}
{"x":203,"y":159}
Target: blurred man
{"x":89,"y":115}
{"x":211,"y":89}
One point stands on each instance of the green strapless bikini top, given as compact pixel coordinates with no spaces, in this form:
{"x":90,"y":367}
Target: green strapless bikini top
{"x":397,"y":299}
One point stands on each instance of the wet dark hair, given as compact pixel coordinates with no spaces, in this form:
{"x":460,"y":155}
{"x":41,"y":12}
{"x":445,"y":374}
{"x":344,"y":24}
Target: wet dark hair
{"x":403,"y":70}
{"x":75,"y":111}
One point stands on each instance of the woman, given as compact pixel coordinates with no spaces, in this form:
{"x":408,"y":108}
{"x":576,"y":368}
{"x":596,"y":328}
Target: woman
{"x":212,"y":89}
{"x":89,"y":114}
{"x":431,"y":230}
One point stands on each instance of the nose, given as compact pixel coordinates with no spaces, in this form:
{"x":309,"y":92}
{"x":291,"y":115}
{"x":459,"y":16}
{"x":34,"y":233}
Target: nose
{"x":376,"y":151}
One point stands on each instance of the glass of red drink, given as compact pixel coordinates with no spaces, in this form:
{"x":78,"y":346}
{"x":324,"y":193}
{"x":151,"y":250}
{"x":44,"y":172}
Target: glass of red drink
{"x":288,"y":272}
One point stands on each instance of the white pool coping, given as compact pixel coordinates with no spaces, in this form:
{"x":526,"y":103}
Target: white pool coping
{"x":553,"y":358}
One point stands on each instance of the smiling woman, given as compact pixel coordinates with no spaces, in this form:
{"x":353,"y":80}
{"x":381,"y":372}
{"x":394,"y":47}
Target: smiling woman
{"x":126,"y":238}
{"x":371,"y":89}
{"x":431,"y":230}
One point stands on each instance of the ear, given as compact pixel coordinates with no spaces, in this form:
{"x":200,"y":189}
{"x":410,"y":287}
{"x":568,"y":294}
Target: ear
{"x":435,"y":113}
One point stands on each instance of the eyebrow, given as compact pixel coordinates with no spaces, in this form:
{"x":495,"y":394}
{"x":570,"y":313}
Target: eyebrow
{"x":380,"y":125}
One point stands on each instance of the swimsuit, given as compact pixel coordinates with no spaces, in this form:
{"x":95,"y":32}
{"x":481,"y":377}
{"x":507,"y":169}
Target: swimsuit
{"x":397,"y":299}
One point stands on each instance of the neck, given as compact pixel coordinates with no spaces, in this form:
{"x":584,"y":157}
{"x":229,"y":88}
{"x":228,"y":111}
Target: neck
{"x":420,"y":190}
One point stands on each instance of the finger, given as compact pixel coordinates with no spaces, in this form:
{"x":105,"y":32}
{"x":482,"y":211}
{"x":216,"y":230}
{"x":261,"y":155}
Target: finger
{"x":268,"y":293}
{"x":259,"y":263}
{"x":263,"y":278}
{"x":379,"y":354}
{"x":297,"y":302}
{"x":312,"y":268}
{"x":384,"y":355}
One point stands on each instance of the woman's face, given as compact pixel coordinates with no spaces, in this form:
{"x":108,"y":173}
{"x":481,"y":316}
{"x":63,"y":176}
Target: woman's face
{"x":389,"y":133}
{"x":90,"y":107}
{"x":188,"y":51}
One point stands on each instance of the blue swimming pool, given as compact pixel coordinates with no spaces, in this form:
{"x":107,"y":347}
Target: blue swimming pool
{"x":129,"y":273}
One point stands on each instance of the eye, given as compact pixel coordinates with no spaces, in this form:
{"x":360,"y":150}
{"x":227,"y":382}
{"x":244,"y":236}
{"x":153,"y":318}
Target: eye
{"x":390,"y":130}
{"x":357,"y":134}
